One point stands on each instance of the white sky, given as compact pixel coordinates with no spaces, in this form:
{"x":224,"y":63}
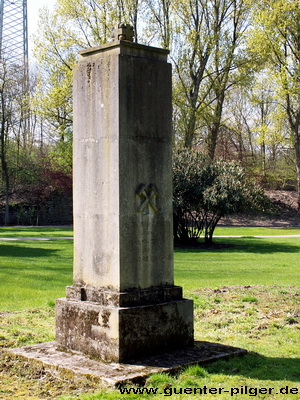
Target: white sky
{"x":33,"y":7}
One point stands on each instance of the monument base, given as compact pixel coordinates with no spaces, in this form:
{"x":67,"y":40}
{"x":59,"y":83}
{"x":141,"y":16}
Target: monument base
{"x":121,"y":334}
{"x":79,"y":369}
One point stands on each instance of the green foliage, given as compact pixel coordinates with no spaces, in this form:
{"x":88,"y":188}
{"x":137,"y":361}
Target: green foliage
{"x":209,"y":61}
{"x":204,"y":40}
{"x":61,"y":157}
{"x":72,"y":26}
{"x":204,"y":192}
{"x":216,"y":56}
{"x":275,"y":39}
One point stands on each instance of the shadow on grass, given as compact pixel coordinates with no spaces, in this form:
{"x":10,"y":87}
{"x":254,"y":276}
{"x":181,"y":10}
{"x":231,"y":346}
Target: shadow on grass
{"x":10,"y":250}
{"x":40,"y":264}
{"x":256,"y":366}
{"x":245,"y":244}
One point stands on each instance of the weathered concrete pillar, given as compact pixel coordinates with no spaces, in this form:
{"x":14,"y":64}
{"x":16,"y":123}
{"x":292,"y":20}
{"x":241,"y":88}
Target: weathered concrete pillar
{"x":123,"y":303}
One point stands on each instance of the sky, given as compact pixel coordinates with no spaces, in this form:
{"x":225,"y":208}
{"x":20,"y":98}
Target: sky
{"x":33,"y":7}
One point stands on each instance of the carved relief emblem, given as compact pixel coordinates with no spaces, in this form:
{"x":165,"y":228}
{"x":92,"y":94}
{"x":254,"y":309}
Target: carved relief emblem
{"x":146,"y":199}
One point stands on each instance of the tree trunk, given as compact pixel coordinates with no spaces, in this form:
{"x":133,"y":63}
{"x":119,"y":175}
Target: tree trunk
{"x":215,"y":128}
{"x":6,"y":215}
{"x":5,"y":178}
{"x":263,"y":160}
{"x":190,"y":133}
{"x":297,"y":153}
{"x":212,"y":140}
{"x":294,"y":121}
{"x":210,"y":229}
{"x":5,"y":175}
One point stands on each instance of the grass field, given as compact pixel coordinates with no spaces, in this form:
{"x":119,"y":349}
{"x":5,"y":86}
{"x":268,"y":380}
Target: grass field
{"x":244,"y":231}
{"x":38,"y":232}
{"x":33,"y":273}
{"x":246,"y":293}
{"x":246,"y":261}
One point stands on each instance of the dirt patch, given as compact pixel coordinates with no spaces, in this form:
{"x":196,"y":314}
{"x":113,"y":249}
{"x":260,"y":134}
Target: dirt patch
{"x":285,"y":214}
{"x":8,"y":313}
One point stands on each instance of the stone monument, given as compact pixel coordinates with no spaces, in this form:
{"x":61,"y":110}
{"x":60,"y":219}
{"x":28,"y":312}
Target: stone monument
{"x":123,"y":304}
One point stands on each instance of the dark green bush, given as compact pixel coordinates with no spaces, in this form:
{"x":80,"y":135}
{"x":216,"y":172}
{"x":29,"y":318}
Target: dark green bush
{"x":204,"y":192}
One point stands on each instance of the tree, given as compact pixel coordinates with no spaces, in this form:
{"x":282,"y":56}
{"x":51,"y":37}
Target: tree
{"x":160,"y":21}
{"x":72,"y":26}
{"x":204,"y":192}
{"x":208,"y":62}
{"x":205,"y":39}
{"x":276,"y":39}
{"x":53,"y":98}
{"x":13,"y":121}
{"x":229,"y":66}
{"x":211,"y":64}
{"x":255,"y":131}
{"x":238,"y":128}
{"x":6,"y":110}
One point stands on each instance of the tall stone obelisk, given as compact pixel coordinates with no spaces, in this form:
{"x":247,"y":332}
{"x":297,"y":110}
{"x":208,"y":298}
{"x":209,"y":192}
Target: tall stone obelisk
{"x":123,"y":303}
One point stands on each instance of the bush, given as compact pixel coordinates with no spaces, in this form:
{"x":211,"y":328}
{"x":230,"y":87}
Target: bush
{"x":204,"y":192}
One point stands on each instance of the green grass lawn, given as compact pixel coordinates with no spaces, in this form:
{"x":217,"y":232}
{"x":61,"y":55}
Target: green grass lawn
{"x":246,"y":294}
{"x":244,"y":231}
{"x":33,"y":273}
{"x":19,"y":232}
{"x":246,"y":261}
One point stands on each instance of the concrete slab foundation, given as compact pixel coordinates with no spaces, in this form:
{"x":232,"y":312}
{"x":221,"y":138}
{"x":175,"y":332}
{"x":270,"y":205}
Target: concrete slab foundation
{"x":73,"y":365}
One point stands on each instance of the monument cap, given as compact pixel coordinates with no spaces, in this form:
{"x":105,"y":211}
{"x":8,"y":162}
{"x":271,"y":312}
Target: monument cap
{"x":123,"y":32}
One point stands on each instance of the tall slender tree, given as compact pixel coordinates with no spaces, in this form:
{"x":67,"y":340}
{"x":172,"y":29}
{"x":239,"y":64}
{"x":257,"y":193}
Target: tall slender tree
{"x":14,"y":129}
{"x":207,"y":58}
{"x":276,"y":38}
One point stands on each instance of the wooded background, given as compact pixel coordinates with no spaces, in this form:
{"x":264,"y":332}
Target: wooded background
{"x":236,"y":92}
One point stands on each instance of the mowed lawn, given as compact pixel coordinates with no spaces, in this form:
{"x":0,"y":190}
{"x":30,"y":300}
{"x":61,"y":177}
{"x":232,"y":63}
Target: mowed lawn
{"x":246,"y":293}
{"x":34,"y":273}
{"x":242,"y":261}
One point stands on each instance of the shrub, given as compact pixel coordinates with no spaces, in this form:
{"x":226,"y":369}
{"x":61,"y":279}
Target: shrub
{"x":204,"y":192}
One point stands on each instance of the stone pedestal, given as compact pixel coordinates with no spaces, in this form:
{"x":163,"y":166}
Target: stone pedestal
{"x":123,"y":303}
{"x":119,"y":334}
